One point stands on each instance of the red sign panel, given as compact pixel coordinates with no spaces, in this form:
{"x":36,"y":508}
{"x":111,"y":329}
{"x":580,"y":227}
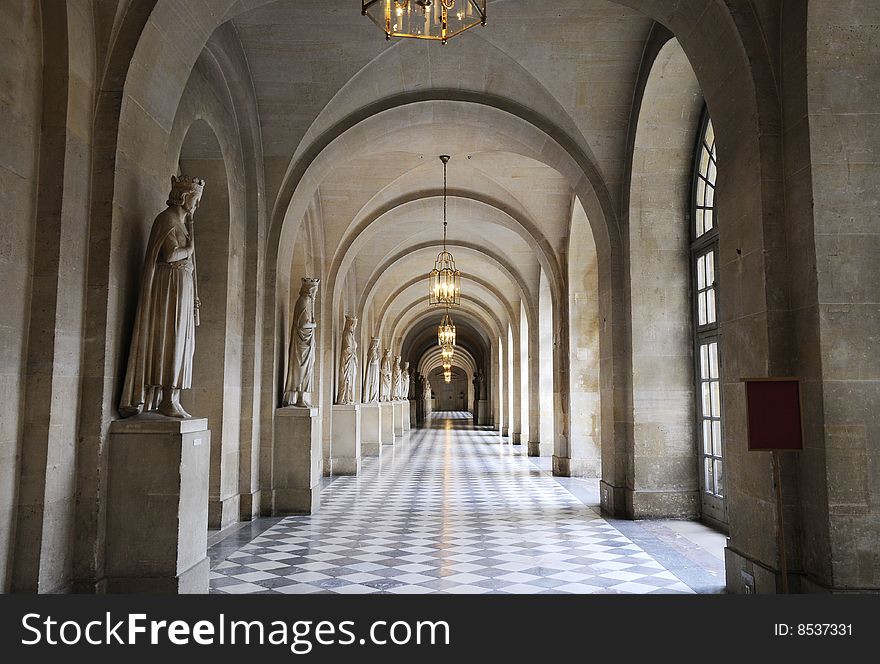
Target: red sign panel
{"x":774,"y":413}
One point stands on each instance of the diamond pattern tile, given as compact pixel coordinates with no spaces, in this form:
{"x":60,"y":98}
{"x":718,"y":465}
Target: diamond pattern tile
{"x":448,"y":509}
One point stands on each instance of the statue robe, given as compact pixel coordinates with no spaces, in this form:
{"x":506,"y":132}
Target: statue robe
{"x":163,"y":339}
{"x":371,"y":377}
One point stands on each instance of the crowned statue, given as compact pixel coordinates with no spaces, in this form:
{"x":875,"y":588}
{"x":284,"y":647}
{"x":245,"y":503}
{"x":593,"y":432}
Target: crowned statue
{"x":160,"y":359}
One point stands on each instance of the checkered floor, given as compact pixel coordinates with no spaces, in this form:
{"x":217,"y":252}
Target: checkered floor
{"x":446,"y":510}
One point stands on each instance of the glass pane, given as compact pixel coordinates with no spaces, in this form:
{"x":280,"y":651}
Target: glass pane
{"x":713,"y":360}
{"x":704,"y":362}
{"x":710,"y":268}
{"x":699,"y":226}
{"x":701,"y":273}
{"x":708,"y":481}
{"x":716,"y":437}
{"x":710,"y":133}
{"x":704,"y":161}
{"x":707,"y":409}
{"x":707,"y":436}
{"x":710,"y":305}
{"x":713,"y":172}
{"x":701,"y":190}
{"x":716,"y":398}
{"x":719,"y":479}
{"x":707,"y":220}
{"x":701,"y":308}
{"x":710,"y":197}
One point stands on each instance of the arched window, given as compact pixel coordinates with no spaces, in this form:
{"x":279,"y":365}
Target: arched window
{"x":704,"y":274}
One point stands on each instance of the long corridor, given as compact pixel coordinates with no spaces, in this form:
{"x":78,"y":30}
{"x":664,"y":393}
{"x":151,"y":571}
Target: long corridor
{"x":450,"y":509}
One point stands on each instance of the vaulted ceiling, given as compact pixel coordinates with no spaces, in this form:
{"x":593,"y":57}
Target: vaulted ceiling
{"x":496,"y":99}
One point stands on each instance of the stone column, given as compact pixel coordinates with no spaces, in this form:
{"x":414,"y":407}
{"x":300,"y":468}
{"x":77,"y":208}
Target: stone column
{"x":157,"y":508}
{"x":371,"y":429}
{"x":407,"y":414}
{"x":345,"y":446}
{"x":296,"y":461}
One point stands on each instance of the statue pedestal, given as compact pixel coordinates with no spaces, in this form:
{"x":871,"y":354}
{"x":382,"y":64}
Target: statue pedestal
{"x":157,"y":505}
{"x":371,"y":429}
{"x":413,"y":413}
{"x":296,"y":461}
{"x":407,"y":414}
{"x":345,"y":444}
{"x":484,"y":416}
{"x":387,"y":415}
{"x":398,"y":417}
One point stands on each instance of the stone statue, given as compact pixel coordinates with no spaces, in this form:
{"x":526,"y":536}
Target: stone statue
{"x":395,"y":379}
{"x":348,"y":363}
{"x":301,"y":360}
{"x":386,"y":376}
{"x":164,"y":336}
{"x":371,"y":375}
{"x":478,"y":386}
{"x":426,"y":387}
{"x":405,"y":381}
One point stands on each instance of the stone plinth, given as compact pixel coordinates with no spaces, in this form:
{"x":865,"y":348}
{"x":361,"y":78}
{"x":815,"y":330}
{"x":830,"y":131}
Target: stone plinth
{"x":407,"y":414}
{"x":345,"y":446}
{"x":413,"y":413}
{"x":484,"y":414}
{"x":157,"y":506}
{"x":371,"y":429}
{"x":296,"y":461}
{"x":398,"y":417}
{"x":387,"y":416}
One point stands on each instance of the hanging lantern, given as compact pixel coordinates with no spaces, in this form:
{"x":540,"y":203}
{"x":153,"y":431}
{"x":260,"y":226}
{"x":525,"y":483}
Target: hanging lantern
{"x":446,"y":333}
{"x":447,"y":376}
{"x":444,"y":282}
{"x":446,"y":354}
{"x":437,"y":20}
{"x":447,"y":365}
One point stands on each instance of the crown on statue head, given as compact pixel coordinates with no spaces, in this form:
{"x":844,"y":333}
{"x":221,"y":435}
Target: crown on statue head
{"x":182,"y":186}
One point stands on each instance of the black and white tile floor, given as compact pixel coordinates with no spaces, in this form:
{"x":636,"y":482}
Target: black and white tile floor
{"x":446,"y":510}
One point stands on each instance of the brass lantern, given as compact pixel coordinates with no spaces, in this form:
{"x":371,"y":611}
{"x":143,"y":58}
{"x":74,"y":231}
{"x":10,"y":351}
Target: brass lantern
{"x":447,"y":376}
{"x":446,"y":354}
{"x":446,"y":333}
{"x":444,"y":282}
{"x":437,"y":20}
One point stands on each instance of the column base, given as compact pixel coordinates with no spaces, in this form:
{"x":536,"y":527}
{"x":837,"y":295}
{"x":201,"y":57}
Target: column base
{"x":516,"y":438}
{"x":223,"y":512}
{"x":295,"y":501}
{"x":534,"y":448}
{"x":505,"y":432}
{"x":612,"y":499}
{"x":561,"y":466}
{"x":249,"y":505}
{"x":747,"y":576}
{"x":193,"y":581}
